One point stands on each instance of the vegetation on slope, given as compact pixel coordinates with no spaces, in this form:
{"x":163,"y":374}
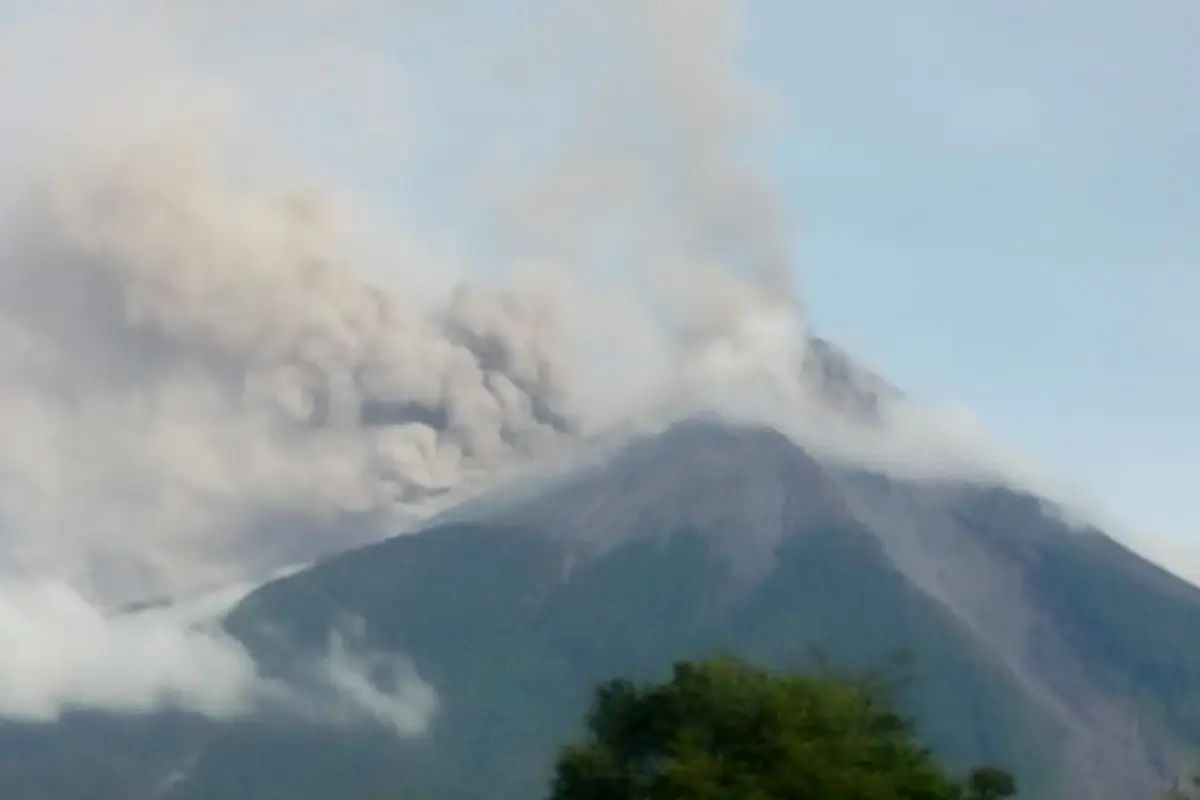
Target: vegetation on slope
{"x":513,"y":647}
{"x":724,"y":730}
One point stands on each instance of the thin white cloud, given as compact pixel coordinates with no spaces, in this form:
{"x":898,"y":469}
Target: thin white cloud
{"x":62,"y":653}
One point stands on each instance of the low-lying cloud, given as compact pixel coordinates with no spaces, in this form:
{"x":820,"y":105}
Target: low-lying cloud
{"x":64,"y":654}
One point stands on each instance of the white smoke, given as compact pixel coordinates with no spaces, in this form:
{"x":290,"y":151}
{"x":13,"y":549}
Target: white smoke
{"x":203,"y":341}
{"x":183,"y":352}
{"x":61,"y":652}
{"x":240,"y":324}
{"x":217,"y":342}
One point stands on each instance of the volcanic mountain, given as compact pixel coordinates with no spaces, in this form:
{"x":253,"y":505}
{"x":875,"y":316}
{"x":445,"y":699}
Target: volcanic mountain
{"x":1031,"y":643}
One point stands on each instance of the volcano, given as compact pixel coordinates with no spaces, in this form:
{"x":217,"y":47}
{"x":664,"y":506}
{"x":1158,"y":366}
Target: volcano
{"x":1030,"y":643}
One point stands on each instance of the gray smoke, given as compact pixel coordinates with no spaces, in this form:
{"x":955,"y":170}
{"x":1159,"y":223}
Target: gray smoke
{"x":210,"y":350}
{"x":238,"y":327}
{"x":651,"y":172}
{"x":182,"y":352}
{"x":231,"y":337}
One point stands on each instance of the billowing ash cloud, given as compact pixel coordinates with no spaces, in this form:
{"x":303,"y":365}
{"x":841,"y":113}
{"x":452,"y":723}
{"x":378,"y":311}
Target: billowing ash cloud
{"x":182,"y":353}
{"x":240,"y":324}
{"x":223,"y":348}
{"x":204,"y":347}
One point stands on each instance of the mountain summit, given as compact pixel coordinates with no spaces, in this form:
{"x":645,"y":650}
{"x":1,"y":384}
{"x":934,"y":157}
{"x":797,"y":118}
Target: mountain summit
{"x":1033,"y":645}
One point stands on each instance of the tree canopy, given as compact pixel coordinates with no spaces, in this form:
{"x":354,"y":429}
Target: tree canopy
{"x":726,"y":730}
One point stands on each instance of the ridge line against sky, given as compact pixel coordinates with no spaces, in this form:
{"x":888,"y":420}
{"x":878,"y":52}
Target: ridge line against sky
{"x":997,"y":205}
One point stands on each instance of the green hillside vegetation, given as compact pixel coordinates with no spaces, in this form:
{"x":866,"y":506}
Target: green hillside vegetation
{"x":724,"y":730}
{"x":513,"y":648}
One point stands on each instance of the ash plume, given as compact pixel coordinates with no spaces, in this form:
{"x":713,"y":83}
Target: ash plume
{"x":241,"y":324}
{"x":192,"y":347}
{"x":182,"y":352}
{"x":226,"y":342}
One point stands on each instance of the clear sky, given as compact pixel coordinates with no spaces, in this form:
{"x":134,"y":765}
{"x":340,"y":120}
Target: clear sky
{"x":998,"y":204}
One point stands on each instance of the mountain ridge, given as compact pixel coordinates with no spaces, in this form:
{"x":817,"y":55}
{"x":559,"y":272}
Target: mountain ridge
{"x":1012,"y":533}
{"x":1036,"y":644}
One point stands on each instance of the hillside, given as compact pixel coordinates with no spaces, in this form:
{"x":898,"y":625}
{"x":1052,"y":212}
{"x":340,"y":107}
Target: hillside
{"x":1053,"y":652}
{"x":1025,"y":636}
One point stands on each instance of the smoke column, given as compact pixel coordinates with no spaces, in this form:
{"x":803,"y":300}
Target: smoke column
{"x":221,"y":348}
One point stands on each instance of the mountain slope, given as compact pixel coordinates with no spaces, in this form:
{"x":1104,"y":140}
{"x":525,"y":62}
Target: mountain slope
{"x":1050,"y":651}
{"x":1086,"y":625}
{"x":707,"y":539}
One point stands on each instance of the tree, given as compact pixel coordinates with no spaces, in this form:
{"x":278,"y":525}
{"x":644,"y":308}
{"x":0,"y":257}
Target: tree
{"x":989,"y":783}
{"x":725,"y":730}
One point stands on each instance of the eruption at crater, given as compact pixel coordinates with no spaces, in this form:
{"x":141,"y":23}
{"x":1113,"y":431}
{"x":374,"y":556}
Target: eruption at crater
{"x":233,"y":337}
{"x":185,"y":350}
{"x":196,"y":342}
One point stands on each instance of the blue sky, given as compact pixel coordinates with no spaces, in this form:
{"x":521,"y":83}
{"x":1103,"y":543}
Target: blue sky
{"x":998,"y":204}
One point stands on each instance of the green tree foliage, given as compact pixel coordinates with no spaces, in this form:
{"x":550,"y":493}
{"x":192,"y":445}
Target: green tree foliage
{"x":989,"y":783}
{"x":725,"y":730}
